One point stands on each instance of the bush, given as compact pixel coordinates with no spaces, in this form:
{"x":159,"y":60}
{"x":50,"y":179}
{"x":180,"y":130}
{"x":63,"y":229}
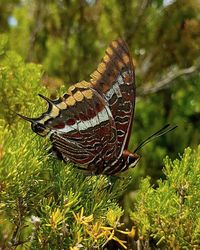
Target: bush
{"x":170,"y":213}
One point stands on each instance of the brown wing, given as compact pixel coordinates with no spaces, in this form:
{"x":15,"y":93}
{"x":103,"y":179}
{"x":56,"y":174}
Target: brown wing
{"x":114,"y":79}
{"x":91,"y":123}
{"x":81,"y":125}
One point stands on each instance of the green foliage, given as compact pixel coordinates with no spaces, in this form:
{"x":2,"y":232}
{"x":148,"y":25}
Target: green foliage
{"x":170,"y":213}
{"x":19,"y":83}
{"x":45,"y":203}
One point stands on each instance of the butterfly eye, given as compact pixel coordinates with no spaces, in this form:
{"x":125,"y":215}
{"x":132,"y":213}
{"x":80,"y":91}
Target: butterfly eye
{"x":38,"y":128}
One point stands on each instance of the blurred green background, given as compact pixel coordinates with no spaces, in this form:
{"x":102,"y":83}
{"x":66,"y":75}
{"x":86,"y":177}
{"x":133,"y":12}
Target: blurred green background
{"x":69,"y":37}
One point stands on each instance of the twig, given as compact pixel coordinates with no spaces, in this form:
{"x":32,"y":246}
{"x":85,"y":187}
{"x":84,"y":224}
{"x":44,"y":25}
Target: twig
{"x":168,"y":80}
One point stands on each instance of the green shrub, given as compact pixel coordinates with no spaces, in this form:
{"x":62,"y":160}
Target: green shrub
{"x":171,"y":212}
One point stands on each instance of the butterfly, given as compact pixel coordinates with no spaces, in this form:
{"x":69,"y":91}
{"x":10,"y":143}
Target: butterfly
{"x":90,"y":125}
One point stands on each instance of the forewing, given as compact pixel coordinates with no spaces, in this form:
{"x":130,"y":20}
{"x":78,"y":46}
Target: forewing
{"x":81,"y":125}
{"x":114,"y":80}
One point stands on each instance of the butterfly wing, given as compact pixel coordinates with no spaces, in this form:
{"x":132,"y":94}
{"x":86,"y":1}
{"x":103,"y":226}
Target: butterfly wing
{"x":81,"y":126}
{"x":90,"y":125}
{"x":114,"y":79}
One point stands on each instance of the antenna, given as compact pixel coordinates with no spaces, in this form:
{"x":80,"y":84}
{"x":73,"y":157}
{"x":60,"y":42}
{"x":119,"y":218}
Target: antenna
{"x":157,"y":134}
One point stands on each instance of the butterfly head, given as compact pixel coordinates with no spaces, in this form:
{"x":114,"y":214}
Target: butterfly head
{"x":39,"y":129}
{"x":36,"y":125}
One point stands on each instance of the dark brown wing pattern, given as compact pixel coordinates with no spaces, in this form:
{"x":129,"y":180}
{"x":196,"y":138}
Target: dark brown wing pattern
{"x":88,"y":132}
{"x":90,"y":124}
{"x":81,"y":127}
{"x":114,"y":79}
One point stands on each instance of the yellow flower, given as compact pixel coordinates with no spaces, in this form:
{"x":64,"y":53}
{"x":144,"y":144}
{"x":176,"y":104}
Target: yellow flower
{"x":55,"y":218}
{"x":80,"y":219}
{"x":111,"y":236}
{"x":96,"y":231}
